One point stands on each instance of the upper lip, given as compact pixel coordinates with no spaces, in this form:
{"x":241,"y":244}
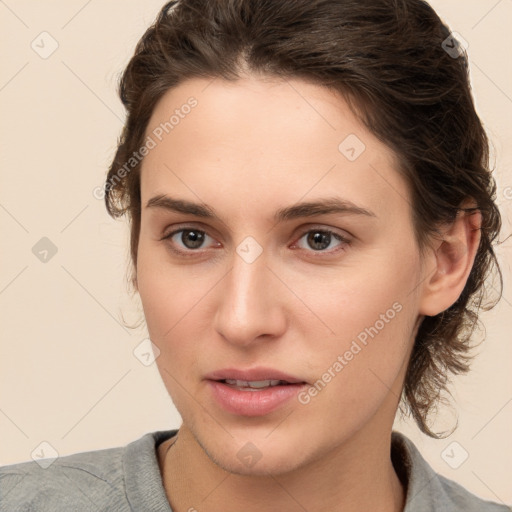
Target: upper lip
{"x":252,"y":374}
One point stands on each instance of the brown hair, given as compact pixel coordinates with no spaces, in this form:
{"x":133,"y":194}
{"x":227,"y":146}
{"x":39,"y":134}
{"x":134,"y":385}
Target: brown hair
{"x":391,"y":60}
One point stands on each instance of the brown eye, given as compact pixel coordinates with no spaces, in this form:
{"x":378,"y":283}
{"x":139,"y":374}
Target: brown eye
{"x":186,"y":239}
{"x":321,"y":239}
{"x":192,"y":239}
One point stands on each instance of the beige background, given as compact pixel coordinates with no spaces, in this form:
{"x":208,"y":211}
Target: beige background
{"x":68,"y":375}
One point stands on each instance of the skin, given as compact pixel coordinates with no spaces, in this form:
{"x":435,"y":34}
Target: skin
{"x":247,"y":149}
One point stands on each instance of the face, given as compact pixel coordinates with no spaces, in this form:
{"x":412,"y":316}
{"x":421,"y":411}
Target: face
{"x":253,"y":287}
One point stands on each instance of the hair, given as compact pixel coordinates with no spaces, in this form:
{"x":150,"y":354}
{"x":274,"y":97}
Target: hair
{"x":390,"y":60}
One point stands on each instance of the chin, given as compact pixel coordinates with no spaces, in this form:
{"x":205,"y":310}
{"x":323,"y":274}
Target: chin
{"x":277,"y":464}
{"x":238,"y":455}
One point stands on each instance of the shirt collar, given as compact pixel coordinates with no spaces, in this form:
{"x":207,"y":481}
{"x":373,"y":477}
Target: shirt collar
{"x":145,"y":491}
{"x":143,"y":480}
{"x":421,"y":482}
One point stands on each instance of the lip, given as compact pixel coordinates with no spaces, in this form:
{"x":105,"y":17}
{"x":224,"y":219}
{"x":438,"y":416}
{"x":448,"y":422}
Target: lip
{"x":252,"y":403}
{"x":252,"y":374}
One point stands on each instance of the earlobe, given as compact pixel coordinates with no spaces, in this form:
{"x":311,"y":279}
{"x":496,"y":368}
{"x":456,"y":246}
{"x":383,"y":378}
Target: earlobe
{"x":453,"y":257}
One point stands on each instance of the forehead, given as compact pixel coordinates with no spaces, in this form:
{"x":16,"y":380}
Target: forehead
{"x":269,"y":140}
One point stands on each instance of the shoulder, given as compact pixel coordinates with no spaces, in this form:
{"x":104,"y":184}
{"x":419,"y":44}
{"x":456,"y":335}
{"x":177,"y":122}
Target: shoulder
{"x":427,"y":490}
{"x":99,"y":480}
{"x":458,"y":496}
{"x":82,"y":481}
{"x":118,"y":479}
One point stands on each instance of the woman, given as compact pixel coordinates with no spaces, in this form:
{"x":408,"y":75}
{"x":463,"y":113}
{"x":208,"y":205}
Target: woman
{"x":312,"y":217}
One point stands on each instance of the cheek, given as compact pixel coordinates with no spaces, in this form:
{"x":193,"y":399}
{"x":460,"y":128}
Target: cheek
{"x":372,"y":314}
{"x":367,"y":310}
{"x":175,"y":302}
{"x":165,"y":290}
{"x":359,"y":380}
{"x":168,"y":298}
{"x":367,"y":296}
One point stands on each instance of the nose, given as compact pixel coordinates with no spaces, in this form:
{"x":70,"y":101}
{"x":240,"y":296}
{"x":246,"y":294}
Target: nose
{"x":250,"y":306}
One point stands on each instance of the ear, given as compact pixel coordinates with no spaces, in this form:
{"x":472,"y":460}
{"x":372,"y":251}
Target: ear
{"x":450,"y":262}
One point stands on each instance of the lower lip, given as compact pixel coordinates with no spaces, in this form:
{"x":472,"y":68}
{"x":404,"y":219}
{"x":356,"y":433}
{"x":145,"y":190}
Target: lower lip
{"x":253,"y":403}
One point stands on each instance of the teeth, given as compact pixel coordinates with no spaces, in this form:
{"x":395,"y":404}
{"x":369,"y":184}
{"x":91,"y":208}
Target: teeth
{"x":255,"y":384}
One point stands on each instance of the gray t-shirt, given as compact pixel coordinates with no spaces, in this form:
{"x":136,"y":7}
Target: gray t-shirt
{"x":128,"y":479}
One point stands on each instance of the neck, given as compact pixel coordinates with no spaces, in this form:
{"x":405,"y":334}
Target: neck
{"x":355,"y":477}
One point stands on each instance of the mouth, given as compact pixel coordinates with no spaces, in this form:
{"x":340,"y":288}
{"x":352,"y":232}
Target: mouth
{"x":254,"y":385}
{"x":254,"y":392}
{"x":254,"y":377}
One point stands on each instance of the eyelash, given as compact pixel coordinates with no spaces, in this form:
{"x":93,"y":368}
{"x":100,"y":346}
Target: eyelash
{"x":344,"y":241}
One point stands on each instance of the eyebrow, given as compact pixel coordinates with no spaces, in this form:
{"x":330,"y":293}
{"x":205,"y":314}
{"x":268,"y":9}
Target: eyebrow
{"x":299,"y":210}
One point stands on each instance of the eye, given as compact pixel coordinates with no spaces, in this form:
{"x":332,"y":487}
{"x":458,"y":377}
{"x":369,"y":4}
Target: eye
{"x":321,"y":239}
{"x":189,"y":237}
